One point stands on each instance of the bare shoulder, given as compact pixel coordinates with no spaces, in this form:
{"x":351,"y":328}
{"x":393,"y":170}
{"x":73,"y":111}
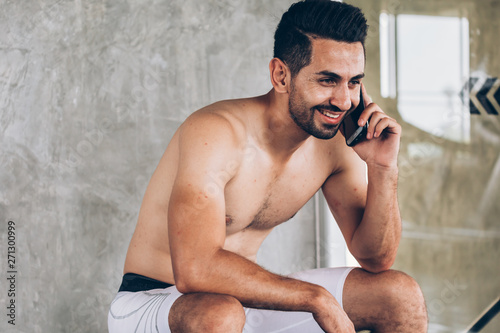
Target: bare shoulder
{"x":224,"y":121}
{"x":214,"y":138}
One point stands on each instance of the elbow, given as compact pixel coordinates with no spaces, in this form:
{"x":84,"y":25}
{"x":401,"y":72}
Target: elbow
{"x":377,"y":265}
{"x":194,"y":273}
{"x":188,"y":278}
{"x":183,"y":285}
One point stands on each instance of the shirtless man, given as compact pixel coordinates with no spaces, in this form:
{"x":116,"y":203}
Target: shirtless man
{"x":236,"y":169}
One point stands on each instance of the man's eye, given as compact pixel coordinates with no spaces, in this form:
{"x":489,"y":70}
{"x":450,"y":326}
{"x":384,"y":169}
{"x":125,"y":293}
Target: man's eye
{"x":327,"y":81}
{"x":355,"y":82}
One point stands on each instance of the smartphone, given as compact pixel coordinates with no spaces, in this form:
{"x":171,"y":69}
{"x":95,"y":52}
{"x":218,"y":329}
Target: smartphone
{"x":352,"y":132}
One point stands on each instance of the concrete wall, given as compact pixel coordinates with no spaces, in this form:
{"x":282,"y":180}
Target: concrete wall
{"x":90,"y":94}
{"x":92,"y":91}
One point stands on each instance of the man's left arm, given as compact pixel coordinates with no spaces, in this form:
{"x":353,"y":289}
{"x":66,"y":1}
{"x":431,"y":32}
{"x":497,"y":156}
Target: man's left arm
{"x":368,"y":214}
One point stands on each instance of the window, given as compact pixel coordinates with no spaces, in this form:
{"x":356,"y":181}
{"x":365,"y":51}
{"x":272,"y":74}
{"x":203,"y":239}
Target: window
{"x":425,"y":64}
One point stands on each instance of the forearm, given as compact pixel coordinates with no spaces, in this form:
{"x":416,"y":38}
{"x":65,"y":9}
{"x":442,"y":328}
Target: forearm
{"x":376,"y":239}
{"x":225,"y":272}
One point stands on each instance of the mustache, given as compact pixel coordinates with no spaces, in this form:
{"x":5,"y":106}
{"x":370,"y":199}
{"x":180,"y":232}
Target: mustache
{"x":332,"y":108}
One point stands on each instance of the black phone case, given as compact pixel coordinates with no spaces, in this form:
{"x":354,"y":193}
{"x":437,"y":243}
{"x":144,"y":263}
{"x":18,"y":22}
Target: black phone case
{"x":352,"y":132}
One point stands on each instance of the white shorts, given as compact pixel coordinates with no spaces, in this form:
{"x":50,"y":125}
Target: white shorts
{"x":147,"y":311}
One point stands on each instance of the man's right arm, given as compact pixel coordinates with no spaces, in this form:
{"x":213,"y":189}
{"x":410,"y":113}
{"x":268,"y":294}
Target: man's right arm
{"x":197,"y":231}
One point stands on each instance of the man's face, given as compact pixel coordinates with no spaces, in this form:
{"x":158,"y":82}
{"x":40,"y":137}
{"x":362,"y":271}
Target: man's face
{"x":323,"y":92}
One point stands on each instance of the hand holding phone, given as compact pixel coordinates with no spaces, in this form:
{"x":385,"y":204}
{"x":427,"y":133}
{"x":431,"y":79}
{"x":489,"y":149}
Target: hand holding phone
{"x":352,"y":131}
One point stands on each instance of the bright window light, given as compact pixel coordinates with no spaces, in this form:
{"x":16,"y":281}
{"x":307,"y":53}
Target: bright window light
{"x":432,"y":67}
{"x":387,"y":56}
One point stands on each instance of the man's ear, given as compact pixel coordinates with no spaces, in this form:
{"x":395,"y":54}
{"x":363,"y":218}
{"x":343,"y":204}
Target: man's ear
{"x":280,"y":75}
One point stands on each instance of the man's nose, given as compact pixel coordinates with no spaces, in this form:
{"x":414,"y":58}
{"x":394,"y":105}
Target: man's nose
{"x":341,"y":98}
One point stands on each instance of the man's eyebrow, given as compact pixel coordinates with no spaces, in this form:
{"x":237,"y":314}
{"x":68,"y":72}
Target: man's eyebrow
{"x":338,"y":77}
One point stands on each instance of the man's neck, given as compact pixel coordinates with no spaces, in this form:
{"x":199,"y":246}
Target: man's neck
{"x":284,"y":136}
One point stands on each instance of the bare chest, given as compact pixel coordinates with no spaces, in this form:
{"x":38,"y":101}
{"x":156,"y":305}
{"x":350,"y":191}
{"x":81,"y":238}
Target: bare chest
{"x":261,"y":196}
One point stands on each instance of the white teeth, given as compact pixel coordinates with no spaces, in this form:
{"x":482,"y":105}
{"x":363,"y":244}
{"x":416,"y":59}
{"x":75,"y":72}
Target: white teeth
{"x":331,"y":115}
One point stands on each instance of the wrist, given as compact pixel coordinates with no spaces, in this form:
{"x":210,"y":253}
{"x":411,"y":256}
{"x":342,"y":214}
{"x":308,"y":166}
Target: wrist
{"x":384,"y":173}
{"x":319,"y":300}
{"x":381,"y":178}
{"x":388,"y":168}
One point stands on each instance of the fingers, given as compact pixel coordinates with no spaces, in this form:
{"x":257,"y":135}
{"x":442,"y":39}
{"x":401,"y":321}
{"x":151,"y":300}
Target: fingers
{"x":379,"y":122}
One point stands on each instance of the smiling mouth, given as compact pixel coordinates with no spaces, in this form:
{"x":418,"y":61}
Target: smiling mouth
{"x":329,"y":114}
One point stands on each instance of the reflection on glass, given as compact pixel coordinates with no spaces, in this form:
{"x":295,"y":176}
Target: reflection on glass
{"x":432,"y":60}
{"x":387,"y":56}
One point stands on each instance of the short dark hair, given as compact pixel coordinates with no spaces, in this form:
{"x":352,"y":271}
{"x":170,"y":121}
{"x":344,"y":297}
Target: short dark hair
{"x":316,"y":19}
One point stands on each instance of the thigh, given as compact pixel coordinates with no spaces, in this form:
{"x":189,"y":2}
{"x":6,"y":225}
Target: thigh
{"x":267,"y":321}
{"x":143,"y":311}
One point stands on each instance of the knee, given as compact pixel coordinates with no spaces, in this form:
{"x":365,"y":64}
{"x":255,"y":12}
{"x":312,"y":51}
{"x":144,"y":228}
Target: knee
{"x":207,"y":313}
{"x":403,"y":296}
{"x":227,"y":316}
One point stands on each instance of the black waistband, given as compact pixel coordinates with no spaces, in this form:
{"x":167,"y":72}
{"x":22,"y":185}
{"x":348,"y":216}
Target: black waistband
{"x":135,"y":282}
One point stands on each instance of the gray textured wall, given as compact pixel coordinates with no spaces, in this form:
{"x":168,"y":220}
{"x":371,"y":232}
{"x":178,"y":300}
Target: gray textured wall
{"x":92,"y":91}
{"x":90,"y":94}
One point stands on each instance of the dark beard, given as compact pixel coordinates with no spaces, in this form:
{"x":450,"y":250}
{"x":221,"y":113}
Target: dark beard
{"x":305,"y":119}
